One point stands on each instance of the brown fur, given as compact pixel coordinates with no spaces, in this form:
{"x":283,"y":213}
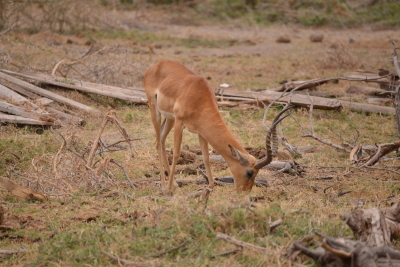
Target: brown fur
{"x":175,"y":90}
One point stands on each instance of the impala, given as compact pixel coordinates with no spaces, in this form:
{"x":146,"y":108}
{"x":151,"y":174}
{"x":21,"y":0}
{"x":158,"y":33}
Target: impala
{"x":185,"y":99}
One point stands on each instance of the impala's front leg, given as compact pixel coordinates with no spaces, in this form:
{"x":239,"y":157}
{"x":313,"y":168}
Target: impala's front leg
{"x":206,"y":160}
{"x":178,"y":129}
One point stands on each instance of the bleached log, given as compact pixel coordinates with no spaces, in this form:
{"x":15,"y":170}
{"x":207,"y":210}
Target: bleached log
{"x":65,"y":117}
{"x":367,"y":107}
{"x":100,"y":89}
{"x":295,"y":99}
{"x":43,"y":101}
{"x":305,"y":101}
{"x":300,"y":85}
{"x":324,"y":94}
{"x":22,"y":120}
{"x":367,"y":90}
{"x":368,"y":76}
{"x":380,"y":101}
{"x":7,"y":93}
{"x":16,"y":110}
{"x":19,"y":89}
{"x":46,"y":93}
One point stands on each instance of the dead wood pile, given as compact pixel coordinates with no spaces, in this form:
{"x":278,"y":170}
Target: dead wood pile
{"x":293,"y":92}
{"x":22,"y":102}
{"x":374,"y":231}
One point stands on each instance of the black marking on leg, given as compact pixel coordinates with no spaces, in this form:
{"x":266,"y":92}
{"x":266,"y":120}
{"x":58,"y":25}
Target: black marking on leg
{"x":166,"y":173}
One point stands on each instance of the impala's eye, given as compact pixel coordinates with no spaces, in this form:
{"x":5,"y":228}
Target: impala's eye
{"x":249,"y":173}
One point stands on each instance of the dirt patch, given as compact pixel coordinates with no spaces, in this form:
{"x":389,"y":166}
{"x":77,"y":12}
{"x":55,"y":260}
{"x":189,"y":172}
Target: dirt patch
{"x":188,"y":155}
{"x":17,"y":222}
{"x":86,"y":216}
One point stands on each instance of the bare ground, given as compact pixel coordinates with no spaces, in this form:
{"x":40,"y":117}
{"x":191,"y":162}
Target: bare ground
{"x":253,"y":60}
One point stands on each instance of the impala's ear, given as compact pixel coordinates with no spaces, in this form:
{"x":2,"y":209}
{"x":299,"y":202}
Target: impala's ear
{"x":236,"y":154}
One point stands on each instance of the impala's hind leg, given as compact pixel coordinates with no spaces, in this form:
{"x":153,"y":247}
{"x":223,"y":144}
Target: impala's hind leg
{"x":165,"y":129}
{"x":156,"y":120}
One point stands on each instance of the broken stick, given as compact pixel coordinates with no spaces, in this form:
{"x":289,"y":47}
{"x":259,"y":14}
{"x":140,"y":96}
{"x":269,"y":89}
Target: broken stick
{"x":241,"y":243}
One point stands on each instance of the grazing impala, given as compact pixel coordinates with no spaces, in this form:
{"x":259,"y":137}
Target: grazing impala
{"x":185,"y":99}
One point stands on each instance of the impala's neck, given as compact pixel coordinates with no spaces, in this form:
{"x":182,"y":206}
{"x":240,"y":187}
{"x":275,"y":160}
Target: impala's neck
{"x":219,"y":137}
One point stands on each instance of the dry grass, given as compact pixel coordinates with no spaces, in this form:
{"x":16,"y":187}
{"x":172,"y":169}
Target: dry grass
{"x":102,"y":212}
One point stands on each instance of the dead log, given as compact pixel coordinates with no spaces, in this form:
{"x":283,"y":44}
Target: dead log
{"x":11,"y":95}
{"x":45,"y":93}
{"x":21,"y":192}
{"x":374,"y":227}
{"x":286,"y":166}
{"x":306,"y":101}
{"x":380,"y":101}
{"x":369,"y":77}
{"x":300,"y":85}
{"x":340,"y":252}
{"x":4,"y":118}
{"x":324,"y":94}
{"x":295,"y":99}
{"x":65,"y":118}
{"x":367,"y":90}
{"x":382,"y":150}
{"x":100,"y":89}
{"x":19,"y":89}
{"x":16,"y":110}
{"x":367,"y":107}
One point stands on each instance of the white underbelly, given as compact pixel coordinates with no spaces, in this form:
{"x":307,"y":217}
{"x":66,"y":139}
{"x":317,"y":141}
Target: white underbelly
{"x":167,"y":115}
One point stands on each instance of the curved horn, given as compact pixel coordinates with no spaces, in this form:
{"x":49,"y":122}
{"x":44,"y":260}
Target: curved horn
{"x":267,"y":160}
{"x":273,"y":131}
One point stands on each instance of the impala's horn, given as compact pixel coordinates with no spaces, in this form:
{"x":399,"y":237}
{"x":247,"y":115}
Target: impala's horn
{"x":272,"y":132}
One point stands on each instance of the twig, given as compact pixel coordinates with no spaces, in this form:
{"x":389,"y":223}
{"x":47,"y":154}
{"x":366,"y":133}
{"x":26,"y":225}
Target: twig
{"x":96,"y":140}
{"x":275,"y":224}
{"x":126,"y":174}
{"x":69,"y":63}
{"x":241,"y":243}
{"x":7,"y":30}
{"x":171,"y":249}
{"x":311,"y":113}
{"x":326,"y":142}
{"x":204,"y":175}
{"x":227,"y":253}
{"x":122,"y":261}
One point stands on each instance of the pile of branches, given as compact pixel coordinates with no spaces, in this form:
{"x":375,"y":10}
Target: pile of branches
{"x":373,"y":231}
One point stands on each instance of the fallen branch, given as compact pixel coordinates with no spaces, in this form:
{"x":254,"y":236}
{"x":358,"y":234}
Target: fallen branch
{"x":4,"y":118}
{"x":340,"y":252}
{"x":382,"y":150}
{"x":171,"y":249}
{"x":241,"y":243}
{"x":37,"y":90}
{"x":227,"y":253}
{"x":124,"y":262}
{"x":373,"y":226}
{"x":129,"y":95}
{"x":326,"y":142}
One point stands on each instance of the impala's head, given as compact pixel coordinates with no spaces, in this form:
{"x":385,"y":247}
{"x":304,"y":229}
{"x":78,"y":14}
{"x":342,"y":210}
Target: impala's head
{"x":246,"y":168}
{"x":245,"y":172}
